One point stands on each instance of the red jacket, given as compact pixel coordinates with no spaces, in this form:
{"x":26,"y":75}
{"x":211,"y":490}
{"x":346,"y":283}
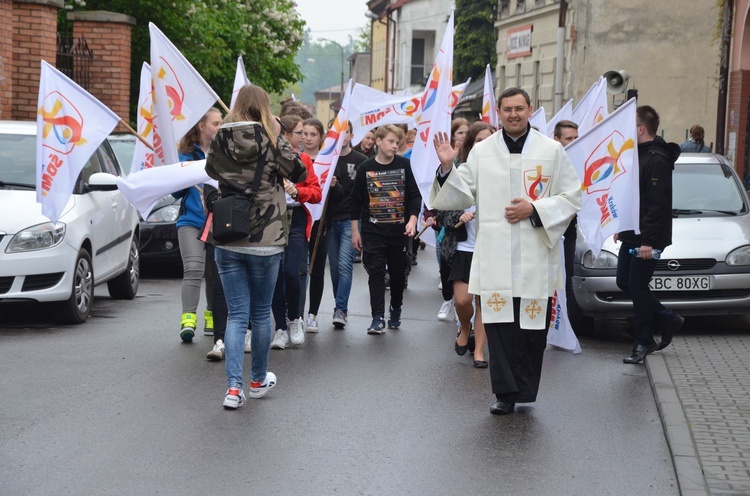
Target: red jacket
{"x":309,"y":191}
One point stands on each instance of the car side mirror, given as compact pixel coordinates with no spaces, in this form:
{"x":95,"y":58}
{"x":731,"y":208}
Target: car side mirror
{"x":101,"y":181}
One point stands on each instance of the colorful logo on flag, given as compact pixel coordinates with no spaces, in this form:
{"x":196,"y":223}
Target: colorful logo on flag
{"x":175,"y":92}
{"x":535,"y":183}
{"x":430,"y":93}
{"x":408,"y":108}
{"x":604,"y":164}
{"x":63,"y":120}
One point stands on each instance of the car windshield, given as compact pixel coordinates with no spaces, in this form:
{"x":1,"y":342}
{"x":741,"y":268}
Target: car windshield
{"x":17,"y":158}
{"x":124,"y":150}
{"x":706,"y":189}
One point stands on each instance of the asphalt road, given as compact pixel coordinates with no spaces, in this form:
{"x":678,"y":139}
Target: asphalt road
{"x":119,"y":406}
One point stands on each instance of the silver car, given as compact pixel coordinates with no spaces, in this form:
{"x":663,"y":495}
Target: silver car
{"x":706,"y":269}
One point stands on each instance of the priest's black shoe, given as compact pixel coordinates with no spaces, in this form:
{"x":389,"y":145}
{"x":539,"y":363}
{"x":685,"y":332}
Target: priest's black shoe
{"x":502,"y":408}
{"x":639,"y":352}
{"x":668,"y":333}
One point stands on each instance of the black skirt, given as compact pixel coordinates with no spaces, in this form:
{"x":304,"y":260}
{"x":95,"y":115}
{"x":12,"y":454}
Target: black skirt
{"x":461,"y":266}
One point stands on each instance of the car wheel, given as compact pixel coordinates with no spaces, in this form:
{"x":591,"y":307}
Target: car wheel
{"x":582,"y":324}
{"x":76,"y":309}
{"x":125,"y":286}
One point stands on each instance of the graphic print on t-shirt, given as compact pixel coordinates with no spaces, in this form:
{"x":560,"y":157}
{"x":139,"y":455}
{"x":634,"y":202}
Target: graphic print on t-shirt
{"x":386,"y":189}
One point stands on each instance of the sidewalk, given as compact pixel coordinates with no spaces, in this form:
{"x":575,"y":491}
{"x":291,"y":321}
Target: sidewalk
{"x":702,"y":388}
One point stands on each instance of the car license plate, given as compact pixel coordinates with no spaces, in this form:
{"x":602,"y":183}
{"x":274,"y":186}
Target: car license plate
{"x":680,"y":283}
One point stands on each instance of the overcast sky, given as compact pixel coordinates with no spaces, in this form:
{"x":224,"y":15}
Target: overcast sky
{"x":334,"y":19}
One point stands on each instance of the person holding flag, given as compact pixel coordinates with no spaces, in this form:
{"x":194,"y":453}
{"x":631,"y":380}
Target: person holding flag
{"x":656,"y":160}
{"x":189,"y":224}
{"x":526,"y":191}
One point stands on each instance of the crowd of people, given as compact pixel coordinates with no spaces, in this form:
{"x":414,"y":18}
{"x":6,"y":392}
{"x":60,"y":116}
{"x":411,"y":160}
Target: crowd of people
{"x":256,"y":286}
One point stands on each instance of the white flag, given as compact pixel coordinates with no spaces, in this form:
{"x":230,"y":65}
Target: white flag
{"x":70,"y":126}
{"x":240,"y":80}
{"x":434,"y":115}
{"x":325,"y":162}
{"x":539,"y":120}
{"x":143,"y":157}
{"x":561,"y":334}
{"x":592,"y":108}
{"x":371,"y":108}
{"x":143,"y":189}
{"x":489,"y":105}
{"x":565,"y":114}
{"x":181,"y":96}
{"x":606,"y":161}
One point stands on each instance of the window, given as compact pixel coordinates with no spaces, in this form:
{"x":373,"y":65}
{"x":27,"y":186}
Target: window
{"x":418,"y":76}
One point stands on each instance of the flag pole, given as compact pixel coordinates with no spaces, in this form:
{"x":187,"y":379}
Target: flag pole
{"x":133,"y":131}
{"x":317,"y":237}
{"x":223,"y":105}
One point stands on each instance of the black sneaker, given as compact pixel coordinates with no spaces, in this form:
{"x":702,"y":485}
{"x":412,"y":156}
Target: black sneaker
{"x":377,"y":326}
{"x":395,"y":319}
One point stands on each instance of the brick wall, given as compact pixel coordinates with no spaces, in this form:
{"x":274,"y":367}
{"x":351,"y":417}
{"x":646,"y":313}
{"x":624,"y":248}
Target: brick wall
{"x":34,"y":39}
{"x":738,"y":101}
{"x":108,"y":36}
{"x":6,"y":58}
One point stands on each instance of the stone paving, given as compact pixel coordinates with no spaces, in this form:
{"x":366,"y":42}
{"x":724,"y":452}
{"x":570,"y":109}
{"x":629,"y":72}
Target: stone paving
{"x":711,"y":376}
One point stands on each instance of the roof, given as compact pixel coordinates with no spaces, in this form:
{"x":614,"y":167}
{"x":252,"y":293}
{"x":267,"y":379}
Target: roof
{"x":333,"y":90}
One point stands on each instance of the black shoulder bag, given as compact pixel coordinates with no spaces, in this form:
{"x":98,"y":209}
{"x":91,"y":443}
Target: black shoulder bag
{"x":232,"y":212}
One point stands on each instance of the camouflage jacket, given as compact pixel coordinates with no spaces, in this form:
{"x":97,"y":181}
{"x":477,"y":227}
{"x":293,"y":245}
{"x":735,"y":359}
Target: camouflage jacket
{"x":232,"y":160}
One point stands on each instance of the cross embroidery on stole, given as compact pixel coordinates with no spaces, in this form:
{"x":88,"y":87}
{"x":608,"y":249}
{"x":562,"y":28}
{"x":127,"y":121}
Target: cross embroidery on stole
{"x":533,"y":309}
{"x":496,"y":303}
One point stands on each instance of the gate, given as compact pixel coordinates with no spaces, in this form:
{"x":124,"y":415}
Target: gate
{"x":74,"y":59}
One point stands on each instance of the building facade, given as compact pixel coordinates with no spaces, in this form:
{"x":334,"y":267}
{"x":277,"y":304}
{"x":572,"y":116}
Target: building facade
{"x":642,"y":37}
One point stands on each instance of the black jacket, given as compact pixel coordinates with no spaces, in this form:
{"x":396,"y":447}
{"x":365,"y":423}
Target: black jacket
{"x":656,"y":161}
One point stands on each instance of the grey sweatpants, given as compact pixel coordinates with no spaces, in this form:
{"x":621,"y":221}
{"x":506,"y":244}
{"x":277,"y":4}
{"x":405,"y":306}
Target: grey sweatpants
{"x":193,"y":252}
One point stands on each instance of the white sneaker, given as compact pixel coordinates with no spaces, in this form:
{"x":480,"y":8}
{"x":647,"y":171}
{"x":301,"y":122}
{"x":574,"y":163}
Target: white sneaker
{"x":248,"y":340}
{"x":280,"y":340}
{"x":217,"y":353}
{"x":445,"y":310}
{"x":296,"y":334}
{"x":259,"y":389}
{"x":311,"y":324}
{"x":440,"y":286}
{"x":234,"y":398}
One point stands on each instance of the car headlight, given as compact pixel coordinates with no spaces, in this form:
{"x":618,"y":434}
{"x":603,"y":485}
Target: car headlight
{"x":740,"y":256}
{"x":166,"y":214}
{"x":606,"y":260}
{"x":37,"y":237}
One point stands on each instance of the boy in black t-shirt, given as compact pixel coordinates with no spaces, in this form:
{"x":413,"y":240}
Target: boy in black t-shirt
{"x":386,"y":198}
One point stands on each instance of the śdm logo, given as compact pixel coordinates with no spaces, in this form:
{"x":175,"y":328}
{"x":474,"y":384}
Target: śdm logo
{"x":430,"y":93}
{"x":175,"y":92}
{"x":63,"y":121}
{"x":604,"y":165}
{"x":535,"y":183}
{"x":408,"y":108}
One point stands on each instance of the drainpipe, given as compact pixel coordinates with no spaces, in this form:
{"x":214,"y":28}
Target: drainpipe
{"x":726,"y":40}
{"x":559,"y":62}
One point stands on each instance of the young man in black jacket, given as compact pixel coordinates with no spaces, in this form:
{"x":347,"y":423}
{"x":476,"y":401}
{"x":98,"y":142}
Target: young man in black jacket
{"x":656,"y":161}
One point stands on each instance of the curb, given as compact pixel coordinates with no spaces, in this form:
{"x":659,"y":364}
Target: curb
{"x":687,"y":465}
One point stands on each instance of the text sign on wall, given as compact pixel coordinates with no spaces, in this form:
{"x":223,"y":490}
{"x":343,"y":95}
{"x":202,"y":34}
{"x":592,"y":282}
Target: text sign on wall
{"x":518,"y":43}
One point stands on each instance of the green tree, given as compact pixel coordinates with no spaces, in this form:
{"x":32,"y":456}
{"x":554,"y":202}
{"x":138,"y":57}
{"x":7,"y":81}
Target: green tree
{"x":475,"y":38}
{"x":211,"y":34}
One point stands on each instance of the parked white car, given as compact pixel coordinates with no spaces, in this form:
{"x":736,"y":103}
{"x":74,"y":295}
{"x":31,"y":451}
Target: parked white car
{"x":94,"y":241}
{"x":706,"y":269}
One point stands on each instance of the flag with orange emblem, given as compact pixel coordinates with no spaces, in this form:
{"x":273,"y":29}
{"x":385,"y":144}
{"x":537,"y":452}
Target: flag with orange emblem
{"x":71,"y":124}
{"x":606,"y":160}
{"x":325,"y":162}
{"x":489,"y":105}
{"x":181,"y":96}
{"x":143,"y":157}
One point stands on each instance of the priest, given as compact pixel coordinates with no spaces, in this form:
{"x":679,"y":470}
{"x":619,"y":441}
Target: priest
{"x":526,"y":192}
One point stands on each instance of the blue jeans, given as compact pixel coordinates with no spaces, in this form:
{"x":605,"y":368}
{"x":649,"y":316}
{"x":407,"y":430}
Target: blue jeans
{"x":341,"y":262}
{"x":248,"y":281}
{"x":287,"y":294}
